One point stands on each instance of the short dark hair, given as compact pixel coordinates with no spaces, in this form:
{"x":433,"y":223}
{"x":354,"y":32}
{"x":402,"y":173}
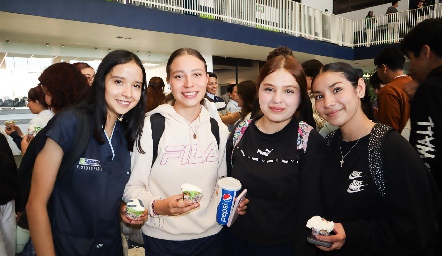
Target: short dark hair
{"x":360,"y":72}
{"x":211,"y":74}
{"x":230,"y":88}
{"x":394,"y":2}
{"x":427,"y":32}
{"x":391,"y":57}
{"x":81,"y":65}
{"x":375,"y":81}
{"x":312,"y":67}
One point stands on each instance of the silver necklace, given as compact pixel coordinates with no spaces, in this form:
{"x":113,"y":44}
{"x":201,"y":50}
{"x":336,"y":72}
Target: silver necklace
{"x":343,"y":156}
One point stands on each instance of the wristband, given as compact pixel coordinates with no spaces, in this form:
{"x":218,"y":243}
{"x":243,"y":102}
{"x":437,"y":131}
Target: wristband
{"x":154,"y":213}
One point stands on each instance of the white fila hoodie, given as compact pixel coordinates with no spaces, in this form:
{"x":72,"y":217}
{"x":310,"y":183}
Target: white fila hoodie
{"x":181,"y":159}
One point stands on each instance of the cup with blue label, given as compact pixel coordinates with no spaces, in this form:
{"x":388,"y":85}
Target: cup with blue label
{"x":228,"y":189}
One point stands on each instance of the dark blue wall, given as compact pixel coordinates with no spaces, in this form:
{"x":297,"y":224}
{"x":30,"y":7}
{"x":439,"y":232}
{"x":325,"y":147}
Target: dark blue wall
{"x":111,"y":13}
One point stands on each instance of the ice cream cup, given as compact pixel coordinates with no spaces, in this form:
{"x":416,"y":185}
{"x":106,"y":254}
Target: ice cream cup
{"x":134,"y":209}
{"x":191,"y":192}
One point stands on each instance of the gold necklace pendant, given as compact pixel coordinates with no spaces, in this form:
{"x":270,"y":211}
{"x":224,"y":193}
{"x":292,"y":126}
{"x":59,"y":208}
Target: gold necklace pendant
{"x":194,"y":135}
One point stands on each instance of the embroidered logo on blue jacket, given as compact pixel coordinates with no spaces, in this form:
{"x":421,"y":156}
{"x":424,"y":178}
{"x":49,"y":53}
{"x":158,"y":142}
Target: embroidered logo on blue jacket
{"x":89,"y":164}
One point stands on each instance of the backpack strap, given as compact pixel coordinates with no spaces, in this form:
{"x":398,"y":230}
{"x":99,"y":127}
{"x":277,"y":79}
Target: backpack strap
{"x":237,"y":135}
{"x":215,"y":129}
{"x":81,"y":140}
{"x":304,"y":130}
{"x":157,"y":124}
{"x":329,"y":138}
{"x":375,"y":163}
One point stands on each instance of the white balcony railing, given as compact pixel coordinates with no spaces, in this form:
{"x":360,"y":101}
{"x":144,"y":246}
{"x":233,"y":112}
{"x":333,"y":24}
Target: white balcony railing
{"x":290,"y":17}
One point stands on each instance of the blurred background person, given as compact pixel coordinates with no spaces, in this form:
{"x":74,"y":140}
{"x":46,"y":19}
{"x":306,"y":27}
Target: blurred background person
{"x":212,"y":89}
{"x":232,"y":105}
{"x":155,"y":93}
{"x":8,"y":194}
{"x":86,"y":70}
{"x":394,"y":103}
{"x":311,"y":70}
{"x":369,"y":27}
{"x":375,"y":83}
{"x":247,"y":94}
{"x":63,"y":85}
{"x":37,"y":105}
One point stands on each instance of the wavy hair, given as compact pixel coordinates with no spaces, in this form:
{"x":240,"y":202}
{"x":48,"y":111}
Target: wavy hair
{"x":65,"y":84}
{"x":155,"y":93}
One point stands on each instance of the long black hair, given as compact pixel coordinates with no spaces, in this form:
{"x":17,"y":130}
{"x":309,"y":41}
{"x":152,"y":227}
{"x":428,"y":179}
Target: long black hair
{"x":95,"y":103}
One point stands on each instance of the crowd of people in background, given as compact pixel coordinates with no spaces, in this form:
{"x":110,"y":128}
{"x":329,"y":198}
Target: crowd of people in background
{"x":376,"y":171}
{"x":389,"y":29}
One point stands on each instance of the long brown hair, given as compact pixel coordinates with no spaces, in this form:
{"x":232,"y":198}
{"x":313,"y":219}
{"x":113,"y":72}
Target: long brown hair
{"x":155,"y":93}
{"x":247,"y":92}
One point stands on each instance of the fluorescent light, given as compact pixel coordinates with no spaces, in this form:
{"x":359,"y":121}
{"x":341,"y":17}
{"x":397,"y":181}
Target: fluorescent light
{"x":150,"y":64}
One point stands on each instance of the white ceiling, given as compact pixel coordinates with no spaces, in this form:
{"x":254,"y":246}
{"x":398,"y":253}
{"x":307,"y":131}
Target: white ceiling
{"x":28,"y":34}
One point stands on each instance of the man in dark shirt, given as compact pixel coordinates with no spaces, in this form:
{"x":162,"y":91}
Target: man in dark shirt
{"x":212,"y":89}
{"x":422,"y":46}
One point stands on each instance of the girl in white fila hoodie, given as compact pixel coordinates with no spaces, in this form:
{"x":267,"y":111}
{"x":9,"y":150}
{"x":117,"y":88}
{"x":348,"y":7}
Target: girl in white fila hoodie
{"x":181,"y":159}
{"x":188,"y":152}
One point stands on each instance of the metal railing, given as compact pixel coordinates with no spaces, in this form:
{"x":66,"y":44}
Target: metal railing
{"x":391,"y":28}
{"x":290,"y":17}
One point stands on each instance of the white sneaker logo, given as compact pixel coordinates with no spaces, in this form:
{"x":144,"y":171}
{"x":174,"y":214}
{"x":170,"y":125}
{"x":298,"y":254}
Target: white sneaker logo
{"x":355,"y":186}
{"x":265,"y":152}
{"x":355,"y":175}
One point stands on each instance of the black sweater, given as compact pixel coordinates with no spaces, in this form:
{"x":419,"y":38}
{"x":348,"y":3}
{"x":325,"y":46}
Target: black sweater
{"x":283,"y":194}
{"x":8,"y":173}
{"x":403,"y":222}
{"x":426,"y":123}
